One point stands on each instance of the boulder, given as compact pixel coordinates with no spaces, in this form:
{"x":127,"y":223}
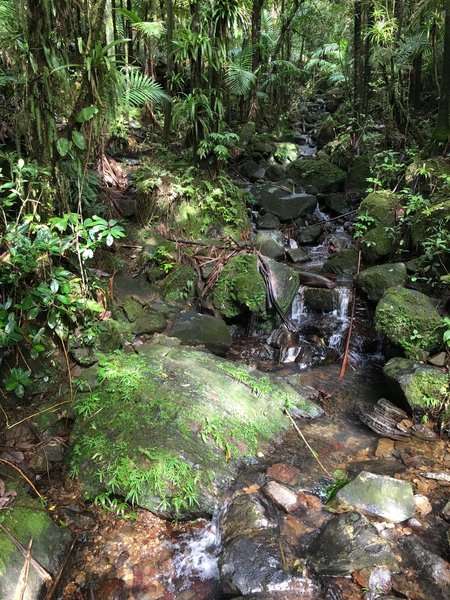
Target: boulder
{"x":133,"y":309}
{"x":149,"y":322}
{"x":240,"y":287}
{"x":423,"y":221}
{"x":320,"y":173}
{"x":247,"y":132}
{"x":321,"y":299}
{"x":284,"y":282}
{"x":275,"y":172}
{"x":338,"y":203}
{"x":298,"y":255}
{"x":194,"y":329}
{"x":377,"y":496}
{"x":382,"y":206}
{"x":270,"y":243}
{"x":27,"y":521}
{"x":252,"y":170}
{"x":347,"y":544}
{"x":246,"y":515}
{"x":410,"y":320}
{"x":377,"y":244}
{"x":285,"y":153}
{"x":374,"y":281}
{"x":308,"y":235}
{"x":179,"y":284}
{"x":169,"y":427}
{"x":286,"y":206}
{"x":422,"y":387}
{"x":344,"y":262}
{"x":267,"y":221}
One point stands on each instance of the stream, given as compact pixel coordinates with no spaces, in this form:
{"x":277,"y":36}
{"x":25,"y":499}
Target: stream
{"x":257,"y":544}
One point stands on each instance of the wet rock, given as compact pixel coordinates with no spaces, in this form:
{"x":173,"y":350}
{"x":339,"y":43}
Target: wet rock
{"x":418,"y":385}
{"x":422,"y":504}
{"x":267,"y":221}
{"x":286,"y":206}
{"x":375,"y":281}
{"x":343,"y":262}
{"x":252,"y":170}
{"x":275,"y":173}
{"x":377,"y":496}
{"x":349,"y":543}
{"x":308,"y":235}
{"x":151,"y":321}
{"x":294,"y":588}
{"x":298,"y":255}
{"x":27,"y":520}
{"x":385,"y":448}
{"x":270,"y":243}
{"x":338,"y":203}
{"x":281,"y":496}
{"x":284,"y":473}
{"x":320,"y":173}
{"x":424,"y":575}
{"x":438,"y":360}
{"x":319,"y":299}
{"x":197,"y":329}
{"x":247,"y":515}
{"x":285,"y":282}
{"x":409,"y":319}
{"x":169,"y":417}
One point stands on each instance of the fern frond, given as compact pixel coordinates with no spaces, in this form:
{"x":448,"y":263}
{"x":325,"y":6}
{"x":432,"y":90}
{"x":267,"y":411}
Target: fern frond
{"x":150,"y":29}
{"x":138,"y":89}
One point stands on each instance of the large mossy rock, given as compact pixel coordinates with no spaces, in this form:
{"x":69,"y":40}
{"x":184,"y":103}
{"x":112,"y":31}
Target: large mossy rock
{"x":377,"y":244}
{"x":410,"y":320}
{"x":168,"y":427}
{"x":436,"y":214}
{"x":381,"y":206}
{"x":179,"y":284}
{"x":197,"y":329}
{"x":374,"y":281}
{"x":422,"y":387}
{"x":377,"y":496}
{"x":285,"y":206}
{"x":270,"y":243}
{"x":344,"y":262}
{"x":321,"y":174}
{"x":240,"y":287}
{"x":27,"y":520}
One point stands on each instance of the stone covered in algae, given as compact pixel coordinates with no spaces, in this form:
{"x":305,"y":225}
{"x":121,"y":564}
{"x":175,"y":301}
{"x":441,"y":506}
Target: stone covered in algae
{"x":168,"y":427}
{"x":374,"y":281}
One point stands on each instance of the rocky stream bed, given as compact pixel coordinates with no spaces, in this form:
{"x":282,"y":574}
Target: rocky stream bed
{"x":259,"y":515}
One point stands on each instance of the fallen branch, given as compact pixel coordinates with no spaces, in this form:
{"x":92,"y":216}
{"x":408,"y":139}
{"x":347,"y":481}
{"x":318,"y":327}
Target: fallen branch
{"x":265,"y":272}
{"x":23,"y":579}
{"x":43,"y":573}
{"x":10,"y":464}
{"x":314,"y":454}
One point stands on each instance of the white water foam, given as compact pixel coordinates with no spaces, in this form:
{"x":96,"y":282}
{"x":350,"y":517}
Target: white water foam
{"x":342,"y":297}
{"x":299,"y":310}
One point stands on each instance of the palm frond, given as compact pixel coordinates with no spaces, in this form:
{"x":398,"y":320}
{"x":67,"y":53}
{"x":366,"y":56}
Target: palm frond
{"x":150,"y":29}
{"x":138,"y":89}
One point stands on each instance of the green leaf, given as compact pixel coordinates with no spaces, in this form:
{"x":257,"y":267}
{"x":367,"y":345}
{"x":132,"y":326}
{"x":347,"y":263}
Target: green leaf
{"x":78,"y":139}
{"x":86,"y":114}
{"x":63,"y":146}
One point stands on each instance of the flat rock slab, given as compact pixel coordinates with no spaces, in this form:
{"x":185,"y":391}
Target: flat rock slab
{"x":197,"y":329}
{"x":347,"y":544}
{"x":377,"y":496}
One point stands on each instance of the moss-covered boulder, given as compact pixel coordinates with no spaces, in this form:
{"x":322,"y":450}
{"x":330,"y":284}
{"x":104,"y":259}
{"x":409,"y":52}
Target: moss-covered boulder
{"x":410,"y":320}
{"x":240,"y":287}
{"x":196,"y":329}
{"x":382,"y":206}
{"x":344,"y":262}
{"x":285,"y":153}
{"x":168,"y":427}
{"x":270,"y":243}
{"x":321,"y":174}
{"x":377,"y":244}
{"x":437,"y":216}
{"x":179,"y":284}
{"x":321,"y":299}
{"x":285,"y":206}
{"x":374,"y":281}
{"x":284,"y":282}
{"x":105,"y":336}
{"x":27,"y":520}
{"x":423,"y":387}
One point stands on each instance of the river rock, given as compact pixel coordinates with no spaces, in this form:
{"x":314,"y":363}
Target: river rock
{"x":252,"y":170}
{"x":284,"y":281}
{"x":322,"y":174}
{"x":270,"y":243}
{"x":320,"y":299}
{"x":151,"y":321}
{"x":275,"y":173}
{"x":420,"y":386}
{"x":166,"y":427}
{"x":282,"y":496}
{"x":267,"y":221}
{"x":308,"y":235}
{"x":247,"y":515}
{"x":348,"y":543}
{"x":338,"y":203}
{"x":374,"y":281}
{"x":279,"y":202}
{"x":409,"y":319}
{"x":132,"y":309}
{"x":424,"y":574}
{"x":438,"y":360}
{"x":298,"y":255}
{"x":344,"y":262}
{"x":194,"y":329}
{"x":377,"y":496}
{"x":382,"y":206}
{"x":377,"y":244}
{"x":27,"y":520}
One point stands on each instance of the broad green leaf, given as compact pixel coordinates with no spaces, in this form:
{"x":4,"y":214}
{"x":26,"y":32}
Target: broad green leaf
{"x":78,"y":139}
{"x":86,"y":114}
{"x":63,"y":146}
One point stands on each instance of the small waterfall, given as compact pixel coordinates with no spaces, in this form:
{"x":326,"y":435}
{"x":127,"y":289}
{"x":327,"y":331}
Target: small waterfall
{"x":299,"y":310}
{"x":342,"y":297}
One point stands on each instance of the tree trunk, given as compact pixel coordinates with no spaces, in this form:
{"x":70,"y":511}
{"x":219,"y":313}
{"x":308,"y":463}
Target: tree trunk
{"x":169,"y":69}
{"x":357,"y":59}
{"x":196,"y":57}
{"x":442,"y":130}
{"x":256,"y":58}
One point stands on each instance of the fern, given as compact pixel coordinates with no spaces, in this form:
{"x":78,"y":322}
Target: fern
{"x":137,"y":89}
{"x":150,"y":29}
{"x":239,"y":76}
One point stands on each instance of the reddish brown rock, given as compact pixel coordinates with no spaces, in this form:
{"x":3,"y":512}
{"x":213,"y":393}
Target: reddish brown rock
{"x":284,"y":473}
{"x":281,"y":496}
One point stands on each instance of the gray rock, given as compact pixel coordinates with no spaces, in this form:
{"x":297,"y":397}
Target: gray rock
{"x":194,"y":328}
{"x":338,"y":203}
{"x":252,"y":170}
{"x":298,"y":255}
{"x":267,"y":221}
{"x":374,"y":281}
{"x":320,"y":299}
{"x":151,"y":321}
{"x":308,"y":235}
{"x":282,"y":496}
{"x":347,"y":544}
{"x":378,"y":243}
{"x":245,"y":516}
{"x":26,"y":520}
{"x":270,"y":243}
{"x":275,"y":173}
{"x":286,"y":206}
{"x":133,"y":309}
{"x":377,"y":496}
{"x":285,"y":282}
{"x":344,"y":262}
{"x":438,"y":360}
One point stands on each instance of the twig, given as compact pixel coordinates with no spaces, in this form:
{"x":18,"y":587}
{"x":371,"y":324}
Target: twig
{"x":43,"y":573}
{"x":350,"y":327}
{"x":23,"y":579}
{"x":314,"y":454}
{"x":10,"y":464}
{"x":57,"y":577}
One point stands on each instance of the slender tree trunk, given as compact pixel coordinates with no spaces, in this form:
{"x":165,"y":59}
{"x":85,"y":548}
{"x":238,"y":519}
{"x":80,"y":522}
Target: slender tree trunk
{"x":169,"y":69}
{"x":357,"y":60}
{"x":442,"y":130}
{"x":367,"y":71}
{"x":196,"y":58}
{"x":256,"y":58}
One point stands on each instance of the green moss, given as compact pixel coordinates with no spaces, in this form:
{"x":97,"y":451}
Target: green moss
{"x":321,"y":174}
{"x":428,"y":391}
{"x":410,"y":320}
{"x":179,"y":284}
{"x":377,"y":243}
{"x":240,"y":286}
{"x":381,"y":205}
